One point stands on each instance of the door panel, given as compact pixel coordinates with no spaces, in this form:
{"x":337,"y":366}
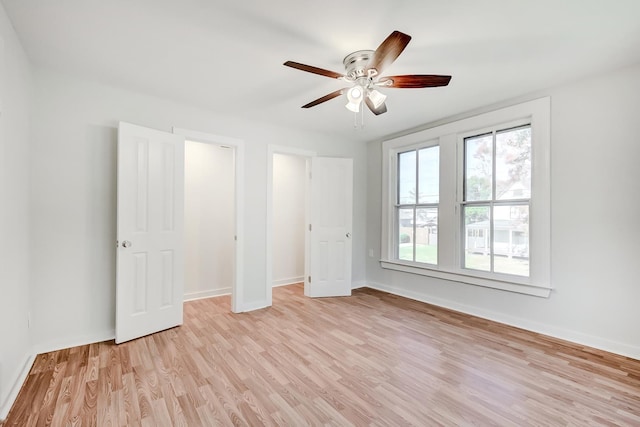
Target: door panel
{"x":150,"y":253}
{"x":331,"y":221}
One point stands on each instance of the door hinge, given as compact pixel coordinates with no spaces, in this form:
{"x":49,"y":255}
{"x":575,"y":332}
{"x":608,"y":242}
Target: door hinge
{"x":310,"y":227}
{"x":309,"y":279}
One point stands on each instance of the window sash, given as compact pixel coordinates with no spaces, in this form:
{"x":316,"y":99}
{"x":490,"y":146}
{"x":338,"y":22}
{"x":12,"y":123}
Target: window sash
{"x":414,"y":230}
{"x":491,"y":202}
{"x":415,"y":206}
{"x":490,"y":237}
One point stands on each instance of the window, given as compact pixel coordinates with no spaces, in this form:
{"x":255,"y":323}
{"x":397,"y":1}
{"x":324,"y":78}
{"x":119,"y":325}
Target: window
{"x":416,"y":210}
{"x":496,"y":199}
{"x":468,"y":201}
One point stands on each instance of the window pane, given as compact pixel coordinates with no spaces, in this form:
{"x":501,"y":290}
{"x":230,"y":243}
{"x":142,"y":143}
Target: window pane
{"x":407,"y":177}
{"x":478,"y":167}
{"x":405,"y":234}
{"x":513,"y":164}
{"x":511,"y":239}
{"x":477,"y":250}
{"x":428,"y":174}
{"x":426,"y":235}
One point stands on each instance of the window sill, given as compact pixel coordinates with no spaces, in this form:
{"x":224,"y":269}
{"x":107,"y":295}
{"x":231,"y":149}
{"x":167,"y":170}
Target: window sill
{"x":505,"y":285}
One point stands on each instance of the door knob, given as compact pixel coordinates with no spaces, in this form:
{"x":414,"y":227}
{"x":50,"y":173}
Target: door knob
{"x":126,"y":244}
{"x":348,"y":235}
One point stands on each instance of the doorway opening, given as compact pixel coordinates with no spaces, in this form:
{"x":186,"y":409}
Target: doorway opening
{"x":234,"y":184}
{"x":287,"y":217}
{"x":209,"y":220}
{"x":289,"y":195}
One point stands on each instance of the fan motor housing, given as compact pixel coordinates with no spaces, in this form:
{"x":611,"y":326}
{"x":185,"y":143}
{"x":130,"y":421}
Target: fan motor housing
{"x":355,"y":64}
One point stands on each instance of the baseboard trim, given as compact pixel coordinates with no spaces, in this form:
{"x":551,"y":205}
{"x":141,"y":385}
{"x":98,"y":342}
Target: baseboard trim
{"x":253,"y":306}
{"x":359,"y":284}
{"x":76,"y":341}
{"x":574,"y":337}
{"x":17,"y":385}
{"x":192,"y":296}
{"x":287,"y":282}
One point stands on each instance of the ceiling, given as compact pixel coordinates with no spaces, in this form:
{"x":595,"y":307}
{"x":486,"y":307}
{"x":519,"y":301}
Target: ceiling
{"x":227,"y":56}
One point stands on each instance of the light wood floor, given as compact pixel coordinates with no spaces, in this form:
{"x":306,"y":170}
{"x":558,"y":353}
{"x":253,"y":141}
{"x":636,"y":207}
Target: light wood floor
{"x":371,"y":359}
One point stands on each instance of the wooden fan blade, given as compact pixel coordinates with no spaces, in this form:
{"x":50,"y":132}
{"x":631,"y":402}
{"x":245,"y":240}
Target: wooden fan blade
{"x":314,"y":70}
{"x":414,"y":81}
{"x":324,"y":99}
{"x":377,"y":111}
{"x":388,"y":51}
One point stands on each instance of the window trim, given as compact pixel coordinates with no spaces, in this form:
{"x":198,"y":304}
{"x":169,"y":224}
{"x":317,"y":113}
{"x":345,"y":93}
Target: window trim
{"x":448,"y":137}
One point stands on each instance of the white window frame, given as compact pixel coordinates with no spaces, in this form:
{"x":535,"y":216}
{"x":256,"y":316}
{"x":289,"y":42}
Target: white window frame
{"x":450,"y":138}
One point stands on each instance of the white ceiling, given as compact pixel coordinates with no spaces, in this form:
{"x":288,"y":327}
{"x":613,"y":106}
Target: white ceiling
{"x":227,"y":56}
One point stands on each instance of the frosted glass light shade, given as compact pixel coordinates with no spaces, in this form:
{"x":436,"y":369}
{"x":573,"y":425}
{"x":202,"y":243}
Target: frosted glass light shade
{"x":354,"y":95}
{"x":377,"y":98}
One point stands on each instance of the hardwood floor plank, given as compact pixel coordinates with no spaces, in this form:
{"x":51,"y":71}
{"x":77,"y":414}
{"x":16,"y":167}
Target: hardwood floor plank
{"x":89,"y":411}
{"x":328,"y":411}
{"x":173,"y":407}
{"x":370,"y":359}
{"x":215,"y":407}
{"x":129,"y":396}
{"x":161,"y":413}
{"x":36,"y":399}
{"x":76,"y":392}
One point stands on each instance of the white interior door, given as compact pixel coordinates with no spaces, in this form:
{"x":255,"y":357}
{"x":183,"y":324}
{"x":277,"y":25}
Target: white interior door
{"x":150,"y":253}
{"x":331,"y":221}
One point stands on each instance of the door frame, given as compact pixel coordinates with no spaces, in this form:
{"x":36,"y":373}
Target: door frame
{"x":237,"y":297}
{"x":289,"y":151}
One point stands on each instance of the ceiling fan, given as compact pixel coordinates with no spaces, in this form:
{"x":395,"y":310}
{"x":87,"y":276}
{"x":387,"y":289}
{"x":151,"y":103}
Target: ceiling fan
{"x":363,"y":69}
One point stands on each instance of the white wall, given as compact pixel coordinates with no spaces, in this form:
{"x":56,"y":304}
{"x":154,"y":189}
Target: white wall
{"x":15,"y":86}
{"x":289,"y":184}
{"x":595,"y":186}
{"x":209,"y":217}
{"x":73,"y":178}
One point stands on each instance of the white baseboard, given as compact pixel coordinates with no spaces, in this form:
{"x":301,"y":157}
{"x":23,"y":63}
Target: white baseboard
{"x":5,"y":407}
{"x":286,"y":282}
{"x":191,"y":296}
{"x":75,"y":341}
{"x":253,"y":306}
{"x":359,"y":284}
{"x":541,"y":328}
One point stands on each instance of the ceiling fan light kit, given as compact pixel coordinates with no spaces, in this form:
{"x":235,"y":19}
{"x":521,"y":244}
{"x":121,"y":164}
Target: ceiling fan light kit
{"x":354,"y":96}
{"x":363,"y":69}
{"x":377,"y":98}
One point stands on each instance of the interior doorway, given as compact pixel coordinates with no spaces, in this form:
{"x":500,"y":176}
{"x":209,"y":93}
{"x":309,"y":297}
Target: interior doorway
{"x":209,"y":220}
{"x":288,"y":228}
{"x":287,"y":217}
{"x":235,"y":183}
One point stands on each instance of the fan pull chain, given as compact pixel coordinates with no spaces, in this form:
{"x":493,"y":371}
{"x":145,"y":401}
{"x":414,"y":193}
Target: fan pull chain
{"x":355,"y":119}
